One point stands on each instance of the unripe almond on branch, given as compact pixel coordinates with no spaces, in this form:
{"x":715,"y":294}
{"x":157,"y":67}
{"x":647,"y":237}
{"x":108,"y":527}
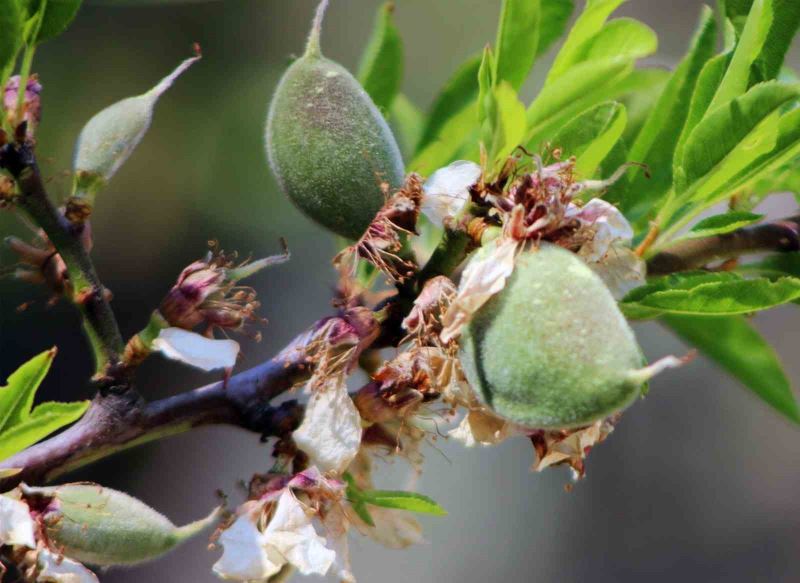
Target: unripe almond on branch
{"x":101,"y":526}
{"x":329,"y":146}
{"x":552,"y":349}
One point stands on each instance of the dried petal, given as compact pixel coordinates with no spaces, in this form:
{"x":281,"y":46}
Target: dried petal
{"x":481,"y":427}
{"x":245,"y":556}
{"x":447,"y":190}
{"x":196,"y":350}
{"x":16,"y":524}
{"x":608,"y":225}
{"x":569,"y":447}
{"x":621,"y":270}
{"x":59,"y":569}
{"x":331,"y":430}
{"x":291,"y":533}
{"x":484,"y":276}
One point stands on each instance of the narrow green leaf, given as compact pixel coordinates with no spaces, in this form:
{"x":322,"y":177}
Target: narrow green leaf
{"x":355,"y":496}
{"x":19,"y":427}
{"x":734,"y":135}
{"x":707,"y":83}
{"x":459,"y":130}
{"x":786,"y":151}
{"x":739,"y":349}
{"x":517,"y":40}
{"x":509,"y":125}
{"x":381,"y":68}
{"x":408,"y":121}
{"x":45,"y":419}
{"x":655,"y":144}
{"x":592,"y":135}
{"x":785,"y":22}
{"x":11,"y":24}
{"x":16,"y":397}
{"x":409,"y":501}
{"x":458,"y":93}
{"x":58,"y":15}
{"x":723,"y":298}
{"x":486,"y":84}
{"x":724,"y":223}
{"x":555,"y":15}
{"x":585,"y":28}
{"x":641,"y":102}
{"x":755,"y":31}
{"x":584,"y":86}
{"x":622,"y":38}
{"x":774,"y":266}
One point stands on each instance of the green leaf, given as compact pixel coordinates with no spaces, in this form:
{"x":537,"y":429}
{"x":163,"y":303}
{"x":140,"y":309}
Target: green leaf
{"x":408,"y":121}
{"x":458,"y":94}
{"x":724,"y":223}
{"x":45,"y":419}
{"x":714,"y":297}
{"x":770,"y":164}
{"x":555,"y":15}
{"x":517,"y":40}
{"x":381,"y":69}
{"x":656,"y":142}
{"x":584,"y":86}
{"x":580,"y":36}
{"x":737,"y":77}
{"x":19,"y":426}
{"x":408,"y":501}
{"x":592,"y":135}
{"x":739,"y":349}
{"x":460,"y":129}
{"x":622,"y":38}
{"x":734,"y":135}
{"x":784,"y":25}
{"x":11,"y":25}
{"x":510,"y":123}
{"x":16,"y":397}
{"x":355,"y":496}
{"x":486,"y":85}
{"x":707,"y":83}
{"x":58,"y":15}
{"x":774,"y":266}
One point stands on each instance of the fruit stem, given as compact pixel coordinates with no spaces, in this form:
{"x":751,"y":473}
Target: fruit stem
{"x":312,"y":46}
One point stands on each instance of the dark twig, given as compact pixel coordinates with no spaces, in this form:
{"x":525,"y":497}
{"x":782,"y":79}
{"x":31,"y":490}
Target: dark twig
{"x":777,"y":236}
{"x":87,"y":291}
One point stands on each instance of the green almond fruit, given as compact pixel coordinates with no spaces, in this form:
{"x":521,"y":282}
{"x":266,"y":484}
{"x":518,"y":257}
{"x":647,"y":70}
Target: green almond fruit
{"x":328,"y":144}
{"x":552,"y":350}
{"x":101,"y":526}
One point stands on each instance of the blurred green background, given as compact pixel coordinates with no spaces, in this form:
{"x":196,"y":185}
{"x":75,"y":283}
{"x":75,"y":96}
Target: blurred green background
{"x":698,"y":483}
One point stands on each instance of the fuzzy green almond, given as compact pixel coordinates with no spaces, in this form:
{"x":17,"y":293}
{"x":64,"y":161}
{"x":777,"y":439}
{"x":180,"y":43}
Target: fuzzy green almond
{"x":328,"y":144}
{"x":552,"y":350}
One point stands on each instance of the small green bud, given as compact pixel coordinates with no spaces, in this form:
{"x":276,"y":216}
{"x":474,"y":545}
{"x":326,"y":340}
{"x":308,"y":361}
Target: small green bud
{"x":101,"y":526}
{"x":109,"y":138}
{"x":328,"y":144}
{"x":552,"y":349}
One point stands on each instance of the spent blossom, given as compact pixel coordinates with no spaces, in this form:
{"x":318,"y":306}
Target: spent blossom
{"x":31,"y":111}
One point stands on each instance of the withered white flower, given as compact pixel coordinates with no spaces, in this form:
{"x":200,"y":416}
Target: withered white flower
{"x":16,"y":524}
{"x":196,"y":350}
{"x":59,"y":569}
{"x":447,"y":190}
{"x":484,"y":276}
{"x":609,"y":226}
{"x":569,"y":447}
{"x":289,"y":537}
{"x":331,"y":430}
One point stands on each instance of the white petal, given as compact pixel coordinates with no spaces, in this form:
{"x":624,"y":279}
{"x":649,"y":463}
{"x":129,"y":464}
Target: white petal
{"x":291,"y":533}
{"x":621,"y":270}
{"x":196,"y":350}
{"x":16,"y":524}
{"x":609,"y":224}
{"x":331,"y":430}
{"x":337,"y":525}
{"x":58,"y":569}
{"x":484,"y":276}
{"x":447,"y":190}
{"x":245,"y":555}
